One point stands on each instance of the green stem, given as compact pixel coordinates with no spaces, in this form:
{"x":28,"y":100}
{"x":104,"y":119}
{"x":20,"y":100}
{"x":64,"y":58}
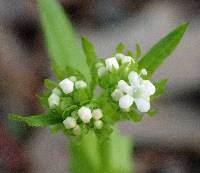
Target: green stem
{"x":104,"y":153}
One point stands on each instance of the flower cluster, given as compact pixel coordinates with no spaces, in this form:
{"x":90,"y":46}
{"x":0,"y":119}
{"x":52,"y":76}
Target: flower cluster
{"x":84,"y":116}
{"x":81,"y":115}
{"x":66,"y":86}
{"x":113,"y":63}
{"x":136,"y":91}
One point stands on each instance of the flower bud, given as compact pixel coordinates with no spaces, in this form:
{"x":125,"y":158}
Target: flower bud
{"x":97,"y":114}
{"x":101,"y":71}
{"x":85,"y":114}
{"x":73,"y":78}
{"x":98,"y":124}
{"x":53,"y":100}
{"x":125,"y":102}
{"x":80,"y":84}
{"x":116,"y":94}
{"x":111,"y":63}
{"x":57,"y":92}
{"x":77,"y":130}
{"x":69,"y":122}
{"x":67,"y":86}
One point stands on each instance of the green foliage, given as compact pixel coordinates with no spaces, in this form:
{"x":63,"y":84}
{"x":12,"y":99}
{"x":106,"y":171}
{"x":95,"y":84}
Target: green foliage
{"x":38,"y":120}
{"x":138,"y":51}
{"x":60,"y":40}
{"x":119,"y":48}
{"x":160,"y":87}
{"x":160,"y":51}
{"x":91,"y":61}
{"x":50,"y":84}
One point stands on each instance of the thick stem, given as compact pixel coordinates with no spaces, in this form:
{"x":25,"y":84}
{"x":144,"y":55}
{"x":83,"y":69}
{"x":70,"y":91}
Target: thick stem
{"x":104,"y":154}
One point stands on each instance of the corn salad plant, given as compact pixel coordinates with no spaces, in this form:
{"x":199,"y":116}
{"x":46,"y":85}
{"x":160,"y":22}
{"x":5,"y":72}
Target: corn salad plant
{"x":89,"y":95}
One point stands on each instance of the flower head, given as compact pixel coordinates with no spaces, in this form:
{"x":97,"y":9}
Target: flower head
{"x":85,"y":114}
{"x":139,"y":91}
{"x":111,"y":63}
{"x":69,"y":122}
{"x":67,"y":86}
{"x":53,"y":100}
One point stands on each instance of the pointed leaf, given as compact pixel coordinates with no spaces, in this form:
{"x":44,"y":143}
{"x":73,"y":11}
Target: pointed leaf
{"x":160,"y":87}
{"x":91,"y":60}
{"x":37,"y":120}
{"x":119,"y":48}
{"x":61,"y":41}
{"x":158,"y":53}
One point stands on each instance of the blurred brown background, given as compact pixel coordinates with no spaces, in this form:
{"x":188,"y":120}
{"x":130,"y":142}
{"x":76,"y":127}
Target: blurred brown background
{"x":167,"y":143}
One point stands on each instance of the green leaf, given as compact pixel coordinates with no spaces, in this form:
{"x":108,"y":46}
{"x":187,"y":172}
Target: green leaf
{"x":152,"y":112}
{"x":138,"y":51}
{"x":160,"y":51}
{"x":119,"y":48}
{"x":61,"y":41}
{"x":160,"y":87}
{"x":135,"y":116}
{"x":50,"y":84}
{"x":91,"y":60}
{"x":37,"y":120}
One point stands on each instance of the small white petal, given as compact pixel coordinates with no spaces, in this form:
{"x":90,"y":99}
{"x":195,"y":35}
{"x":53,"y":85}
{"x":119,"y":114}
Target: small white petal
{"x":125,"y":102}
{"x":142,"y":105}
{"x":133,"y":78}
{"x":97,"y":114}
{"x":148,"y":87}
{"x":111,"y":63}
{"x":127,"y":59}
{"x":57,"y":92}
{"x":101,"y":71}
{"x":144,"y":71}
{"x":80,"y":84}
{"x":98,"y":124}
{"x":99,"y":64}
{"x":77,"y":130}
{"x":73,"y":78}
{"x":69,"y":122}
{"x":67,"y":86}
{"x":53,"y":100}
{"x":119,"y":56}
{"x":85,"y":114}
{"x":124,"y":87}
{"x":116,"y":94}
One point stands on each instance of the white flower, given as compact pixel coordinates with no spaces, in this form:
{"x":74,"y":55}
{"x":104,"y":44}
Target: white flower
{"x":142,"y":105}
{"x":73,"y":78}
{"x":98,"y":124}
{"x":116,"y":94}
{"x":97,"y":114}
{"x":85,"y":114}
{"x":101,"y":71}
{"x":142,"y":90}
{"x":80,"y":84}
{"x":53,"y":100}
{"x":125,"y":102}
{"x":57,"y":92}
{"x":124,"y":59}
{"x":111,"y":63}
{"x":69,"y":122}
{"x":76,"y":130}
{"x":67,"y":86}
{"x":124,"y":87}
